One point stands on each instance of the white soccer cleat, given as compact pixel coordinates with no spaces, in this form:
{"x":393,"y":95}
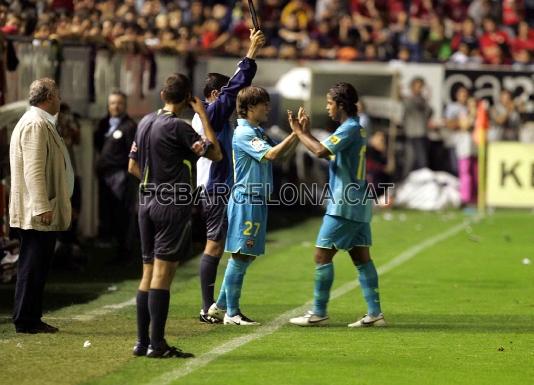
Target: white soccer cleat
{"x":215,"y":312}
{"x":368,"y":321}
{"x":239,"y":319}
{"x":309,"y":319}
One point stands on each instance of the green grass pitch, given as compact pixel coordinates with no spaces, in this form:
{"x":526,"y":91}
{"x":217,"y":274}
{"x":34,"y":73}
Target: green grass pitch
{"x":460,"y":311}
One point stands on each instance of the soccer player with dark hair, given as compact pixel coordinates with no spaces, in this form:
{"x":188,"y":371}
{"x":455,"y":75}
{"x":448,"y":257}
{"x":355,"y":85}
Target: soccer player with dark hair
{"x":346,"y":225}
{"x":162,"y":155}
{"x":247,"y":208}
{"x":216,"y":178}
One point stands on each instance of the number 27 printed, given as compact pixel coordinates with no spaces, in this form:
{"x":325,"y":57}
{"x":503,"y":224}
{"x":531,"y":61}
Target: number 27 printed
{"x":249,"y":225}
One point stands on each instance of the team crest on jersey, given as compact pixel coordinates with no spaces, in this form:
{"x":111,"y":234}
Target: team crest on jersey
{"x":250,"y":243}
{"x":334,"y":139}
{"x":257,"y":144}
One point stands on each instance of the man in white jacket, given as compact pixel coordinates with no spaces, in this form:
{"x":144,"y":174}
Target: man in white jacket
{"x":42,"y":181}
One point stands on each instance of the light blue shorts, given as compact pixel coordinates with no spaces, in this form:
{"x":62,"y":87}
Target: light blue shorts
{"x":343,"y":234}
{"x":247,"y":225}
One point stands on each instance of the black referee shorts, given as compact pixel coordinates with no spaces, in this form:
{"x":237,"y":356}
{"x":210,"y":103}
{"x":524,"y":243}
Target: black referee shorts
{"x":213,"y":213}
{"x":165,"y":231}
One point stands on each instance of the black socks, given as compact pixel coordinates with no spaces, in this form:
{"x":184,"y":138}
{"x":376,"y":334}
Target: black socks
{"x":158,"y":305}
{"x":143,"y":318}
{"x":208,"y":275}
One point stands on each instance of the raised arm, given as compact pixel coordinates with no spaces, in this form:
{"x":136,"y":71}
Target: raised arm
{"x":222,"y":108}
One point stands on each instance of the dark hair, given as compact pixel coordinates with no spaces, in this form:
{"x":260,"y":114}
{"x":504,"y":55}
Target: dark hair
{"x":177,"y":88}
{"x":214,"y":82}
{"x":118,"y":92}
{"x":250,"y":97}
{"x":417,"y":79}
{"x":345,"y":95}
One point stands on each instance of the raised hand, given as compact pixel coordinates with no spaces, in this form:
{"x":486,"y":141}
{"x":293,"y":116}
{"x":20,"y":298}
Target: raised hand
{"x":197,"y":106}
{"x":303,"y":119}
{"x":257,"y":38}
{"x":294,"y":122}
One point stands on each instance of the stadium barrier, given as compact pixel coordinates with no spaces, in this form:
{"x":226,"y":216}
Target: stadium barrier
{"x":86,"y":77}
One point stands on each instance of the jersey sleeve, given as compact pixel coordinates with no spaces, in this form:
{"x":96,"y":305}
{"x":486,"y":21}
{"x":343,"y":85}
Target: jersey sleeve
{"x":253,"y":145}
{"x":221,"y":109}
{"x":339,"y":140}
{"x":190,"y":139}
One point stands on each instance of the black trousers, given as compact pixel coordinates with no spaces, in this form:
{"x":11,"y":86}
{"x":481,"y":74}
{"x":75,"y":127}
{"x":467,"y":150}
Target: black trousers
{"x":36,"y":252}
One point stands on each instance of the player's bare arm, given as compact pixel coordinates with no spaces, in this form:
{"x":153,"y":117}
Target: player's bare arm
{"x":133,"y":168}
{"x":281,"y":149}
{"x":300,"y":127}
{"x":214,"y":151}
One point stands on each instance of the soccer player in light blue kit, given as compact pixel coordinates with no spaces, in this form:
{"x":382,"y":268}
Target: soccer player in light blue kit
{"x":253,"y":152}
{"x":346,"y":225}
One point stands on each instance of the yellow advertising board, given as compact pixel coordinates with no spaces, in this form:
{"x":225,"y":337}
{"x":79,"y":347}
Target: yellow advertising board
{"x":510,"y":175}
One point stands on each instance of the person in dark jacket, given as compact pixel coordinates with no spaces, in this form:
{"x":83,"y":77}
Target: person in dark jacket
{"x":216,"y":178}
{"x":112,"y":140}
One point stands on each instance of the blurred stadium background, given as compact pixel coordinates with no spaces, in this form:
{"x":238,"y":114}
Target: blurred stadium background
{"x":91,"y":47}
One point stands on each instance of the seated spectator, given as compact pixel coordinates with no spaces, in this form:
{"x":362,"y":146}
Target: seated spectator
{"x":524,"y":39}
{"x":301,"y":10}
{"x":467,"y":36}
{"x":292,"y":33}
{"x":13,"y":25}
{"x":422,"y":12}
{"x":363,"y":12}
{"x":437,"y":46}
{"x":493,"y":43}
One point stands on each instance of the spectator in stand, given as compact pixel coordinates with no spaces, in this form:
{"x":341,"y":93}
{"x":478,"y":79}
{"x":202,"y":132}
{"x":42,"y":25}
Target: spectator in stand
{"x":422,"y":13}
{"x":467,"y":36}
{"x":13,"y":25}
{"x":524,"y":39}
{"x":505,"y":119}
{"x":493,"y":43}
{"x":112,"y":140}
{"x":292,"y":33}
{"x":301,"y":9}
{"x":363,"y":12}
{"x":417,"y":114}
{"x":455,"y":11}
{"x":460,"y":119}
{"x":437,"y":46}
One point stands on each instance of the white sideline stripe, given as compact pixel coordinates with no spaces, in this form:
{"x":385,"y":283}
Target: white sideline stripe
{"x":104,"y":310}
{"x":271,"y":327}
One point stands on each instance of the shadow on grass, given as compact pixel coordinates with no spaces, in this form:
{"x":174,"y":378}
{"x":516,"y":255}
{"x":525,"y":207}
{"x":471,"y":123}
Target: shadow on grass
{"x":66,"y":288}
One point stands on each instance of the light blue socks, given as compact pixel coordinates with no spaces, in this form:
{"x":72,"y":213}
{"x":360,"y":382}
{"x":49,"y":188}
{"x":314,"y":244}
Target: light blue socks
{"x":324,"y":276}
{"x":231,"y":286}
{"x":369,"y":283}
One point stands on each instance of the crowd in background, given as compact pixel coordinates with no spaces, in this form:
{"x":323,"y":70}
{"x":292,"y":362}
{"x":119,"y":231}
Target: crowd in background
{"x":479,"y":31}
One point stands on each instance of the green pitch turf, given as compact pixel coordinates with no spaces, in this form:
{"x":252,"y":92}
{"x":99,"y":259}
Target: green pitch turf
{"x":460,"y":311}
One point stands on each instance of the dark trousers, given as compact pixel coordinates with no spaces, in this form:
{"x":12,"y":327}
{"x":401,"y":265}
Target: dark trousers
{"x":117,"y":217}
{"x":416,"y":154}
{"x":36,"y":252}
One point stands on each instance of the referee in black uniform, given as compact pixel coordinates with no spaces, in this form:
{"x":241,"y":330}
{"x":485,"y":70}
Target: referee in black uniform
{"x":162,"y":155}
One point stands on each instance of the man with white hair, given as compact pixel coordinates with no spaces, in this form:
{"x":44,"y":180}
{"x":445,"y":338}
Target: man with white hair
{"x":42,"y":181}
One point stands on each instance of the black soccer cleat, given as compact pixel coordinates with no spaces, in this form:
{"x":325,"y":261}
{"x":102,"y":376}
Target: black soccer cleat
{"x":139,"y":350}
{"x":167,"y":352}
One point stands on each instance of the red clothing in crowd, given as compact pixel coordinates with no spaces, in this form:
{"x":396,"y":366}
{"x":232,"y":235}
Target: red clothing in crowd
{"x":511,"y":12}
{"x":456,"y":10}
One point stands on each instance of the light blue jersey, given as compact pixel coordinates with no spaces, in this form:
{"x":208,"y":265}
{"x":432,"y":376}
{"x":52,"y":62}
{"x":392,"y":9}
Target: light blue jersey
{"x":247,"y":207}
{"x":347,"y":181}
